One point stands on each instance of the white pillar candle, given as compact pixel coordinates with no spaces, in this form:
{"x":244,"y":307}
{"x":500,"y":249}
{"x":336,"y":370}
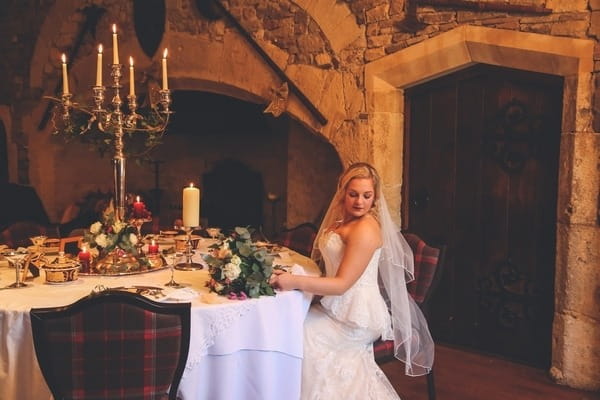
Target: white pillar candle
{"x":164,"y":71}
{"x":191,"y":206}
{"x":115,"y":45}
{"x":99,"y":67}
{"x":65,"y":78}
{"x":131,"y":78}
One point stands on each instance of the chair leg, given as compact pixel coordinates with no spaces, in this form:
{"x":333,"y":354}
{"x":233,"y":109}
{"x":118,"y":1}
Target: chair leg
{"x":431,"y":385}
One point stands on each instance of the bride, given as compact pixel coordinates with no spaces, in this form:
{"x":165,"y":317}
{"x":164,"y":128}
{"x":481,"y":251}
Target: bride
{"x":358,"y":241}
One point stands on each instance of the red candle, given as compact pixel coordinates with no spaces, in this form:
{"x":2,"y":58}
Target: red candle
{"x":138,"y":208}
{"x":84,"y":259}
{"x":153,"y":248}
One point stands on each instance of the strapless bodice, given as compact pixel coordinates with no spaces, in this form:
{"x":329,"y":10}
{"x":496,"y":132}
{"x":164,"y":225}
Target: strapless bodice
{"x":361,"y":305}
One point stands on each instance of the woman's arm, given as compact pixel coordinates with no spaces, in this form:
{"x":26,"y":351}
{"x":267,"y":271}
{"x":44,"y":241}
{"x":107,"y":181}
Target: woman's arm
{"x":362,"y":237}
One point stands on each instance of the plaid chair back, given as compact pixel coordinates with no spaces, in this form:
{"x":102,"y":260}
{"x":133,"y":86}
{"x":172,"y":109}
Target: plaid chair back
{"x":299,"y":238}
{"x":112,"y":345}
{"x":426,"y":259}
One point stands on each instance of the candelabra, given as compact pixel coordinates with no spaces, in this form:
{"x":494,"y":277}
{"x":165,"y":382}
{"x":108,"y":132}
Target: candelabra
{"x":116,"y":122}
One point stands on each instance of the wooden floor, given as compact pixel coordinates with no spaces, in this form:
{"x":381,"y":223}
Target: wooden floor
{"x":461,"y":375}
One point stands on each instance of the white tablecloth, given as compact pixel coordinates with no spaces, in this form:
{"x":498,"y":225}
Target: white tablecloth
{"x":249,"y":349}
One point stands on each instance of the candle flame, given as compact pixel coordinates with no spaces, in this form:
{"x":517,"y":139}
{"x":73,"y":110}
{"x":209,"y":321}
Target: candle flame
{"x":165,"y":53}
{"x":131,"y":61}
{"x":153,"y":242}
{"x":191,"y":184}
{"x":83,"y":249}
{"x":137,"y":198}
{"x":100,"y":48}
{"x":114,"y":28}
{"x":63,"y":58}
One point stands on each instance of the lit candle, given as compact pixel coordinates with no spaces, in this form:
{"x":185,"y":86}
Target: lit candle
{"x":131,"y":78}
{"x":65,"y":78}
{"x":115,"y":45}
{"x":99,"y":67}
{"x":191,"y":206}
{"x":84,"y":258}
{"x":138,"y":208}
{"x":164,"y":70}
{"x":153,"y":248}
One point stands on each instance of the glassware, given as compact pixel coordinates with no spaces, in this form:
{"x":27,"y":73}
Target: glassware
{"x":213,"y":232}
{"x":16,"y":258}
{"x":171,"y":258}
{"x":38,"y":257}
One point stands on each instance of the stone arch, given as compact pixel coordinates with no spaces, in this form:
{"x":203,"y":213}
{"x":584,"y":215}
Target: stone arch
{"x":385,"y":81}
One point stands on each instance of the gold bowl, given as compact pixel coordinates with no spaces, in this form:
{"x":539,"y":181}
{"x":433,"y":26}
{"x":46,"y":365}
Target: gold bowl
{"x":61,"y":273}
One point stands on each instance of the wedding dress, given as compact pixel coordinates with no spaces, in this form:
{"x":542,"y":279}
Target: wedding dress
{"x":339,"y":334}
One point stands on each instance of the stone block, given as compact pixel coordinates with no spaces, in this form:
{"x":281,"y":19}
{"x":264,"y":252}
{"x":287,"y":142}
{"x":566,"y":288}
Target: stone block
{"x":354,"y":99}
{"x":379,"y":40}
{"x":595,"y":24}
{"x":575,"y":364}
{"x":378,"y":13}
{"x":578,"y":253}
{"x":577,"y":28}
{"x":579,"y":178}
{"x":566,"y":6}
{"x":374,"y":54}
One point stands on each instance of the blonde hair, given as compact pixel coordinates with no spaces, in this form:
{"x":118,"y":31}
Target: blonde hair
{"x":360,"y":170}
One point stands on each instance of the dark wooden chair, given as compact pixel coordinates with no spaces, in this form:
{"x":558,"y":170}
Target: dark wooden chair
{"x":299,"y":238}
{"x":112,"y":345}
{"x":428,"y":267}
{"x":17,"y":234}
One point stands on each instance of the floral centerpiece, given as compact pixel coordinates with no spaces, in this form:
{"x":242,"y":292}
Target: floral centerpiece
{"x":238,"y":268}
{"x":113,"y":239}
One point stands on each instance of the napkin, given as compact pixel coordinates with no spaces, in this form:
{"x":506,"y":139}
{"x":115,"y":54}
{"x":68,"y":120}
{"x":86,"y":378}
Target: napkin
{"x":183,"y":294}
{"x":298,"y":269}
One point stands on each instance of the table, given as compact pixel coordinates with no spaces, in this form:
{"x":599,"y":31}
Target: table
{"x":249,"y":349}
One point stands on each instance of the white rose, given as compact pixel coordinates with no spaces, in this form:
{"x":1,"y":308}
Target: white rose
{"x":101,"y":240}
{"x":236,"y":260}
{"x":117,"y":226}
{"x":133,"y":239}
{"x":231,"y":271}
{"x":96,"y":227}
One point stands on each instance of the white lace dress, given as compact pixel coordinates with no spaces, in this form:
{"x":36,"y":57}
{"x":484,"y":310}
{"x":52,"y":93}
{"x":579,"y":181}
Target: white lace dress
{"x":339,"y":334}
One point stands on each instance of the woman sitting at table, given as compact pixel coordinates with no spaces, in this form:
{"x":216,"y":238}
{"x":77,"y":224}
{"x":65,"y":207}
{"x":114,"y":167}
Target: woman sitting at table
{"x":358,"y":239}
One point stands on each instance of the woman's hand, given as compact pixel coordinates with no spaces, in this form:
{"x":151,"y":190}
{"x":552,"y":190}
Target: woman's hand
{"x":281,"y":279}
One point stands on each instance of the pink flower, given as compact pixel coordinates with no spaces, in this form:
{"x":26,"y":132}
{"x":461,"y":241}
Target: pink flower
{"x":232,"y":296}
{"x":242,"y":296}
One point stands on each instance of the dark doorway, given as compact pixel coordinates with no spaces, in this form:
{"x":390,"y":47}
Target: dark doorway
{"x":482,"y":170}
{"x":228,"y":205}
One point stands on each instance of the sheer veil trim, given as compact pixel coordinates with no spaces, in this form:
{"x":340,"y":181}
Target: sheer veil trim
{"x":412,"y":341}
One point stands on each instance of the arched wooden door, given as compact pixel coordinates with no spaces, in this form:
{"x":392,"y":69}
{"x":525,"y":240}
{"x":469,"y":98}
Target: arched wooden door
{"x":481,"y":173}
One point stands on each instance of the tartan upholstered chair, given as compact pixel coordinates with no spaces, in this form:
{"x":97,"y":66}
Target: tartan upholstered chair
{"x":299,"y":238}
{"x":428,"y":263}
{"x":112,"y":345}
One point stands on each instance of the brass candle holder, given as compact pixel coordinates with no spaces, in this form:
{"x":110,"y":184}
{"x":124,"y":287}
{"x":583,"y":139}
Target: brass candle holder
{"x":189,"y":265}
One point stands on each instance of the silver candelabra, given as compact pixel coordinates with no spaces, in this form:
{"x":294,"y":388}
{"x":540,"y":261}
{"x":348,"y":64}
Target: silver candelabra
{"x":116,"y":122}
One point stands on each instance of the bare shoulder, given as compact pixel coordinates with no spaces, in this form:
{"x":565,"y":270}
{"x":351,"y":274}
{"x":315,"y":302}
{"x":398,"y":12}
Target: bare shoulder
{"x":365,"y":230}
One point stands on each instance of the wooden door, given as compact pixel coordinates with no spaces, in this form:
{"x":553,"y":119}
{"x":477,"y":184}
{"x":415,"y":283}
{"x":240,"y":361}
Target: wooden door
{"x":481,"y":173}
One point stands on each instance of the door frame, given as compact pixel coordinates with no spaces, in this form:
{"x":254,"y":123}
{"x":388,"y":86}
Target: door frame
{"x":385,"y":81}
